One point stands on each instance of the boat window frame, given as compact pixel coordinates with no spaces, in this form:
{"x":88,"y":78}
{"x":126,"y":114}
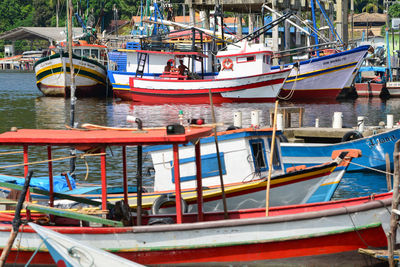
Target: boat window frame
{"x":78,"y":50}
{"x":84,"y":52}
{"x":276,"y":157}
{"x":246,"y":57}
{"x":253,"y":154}
{"x":97,"y":53}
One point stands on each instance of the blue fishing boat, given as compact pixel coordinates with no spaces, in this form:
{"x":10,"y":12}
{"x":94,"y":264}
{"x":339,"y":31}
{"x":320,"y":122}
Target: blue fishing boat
{"x":373,"y":149}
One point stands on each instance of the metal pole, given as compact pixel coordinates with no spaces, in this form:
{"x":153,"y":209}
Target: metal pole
{"x":72,"y":86}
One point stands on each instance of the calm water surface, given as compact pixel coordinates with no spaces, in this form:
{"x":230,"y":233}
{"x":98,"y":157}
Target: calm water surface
{"x":23,"y":106}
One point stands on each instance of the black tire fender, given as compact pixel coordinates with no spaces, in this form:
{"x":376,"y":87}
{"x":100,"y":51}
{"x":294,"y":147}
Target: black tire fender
{"x":351,"y":135}
{"x":164,"y":199}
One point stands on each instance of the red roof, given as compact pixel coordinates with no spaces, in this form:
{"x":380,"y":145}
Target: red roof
{"x":99,"y":137}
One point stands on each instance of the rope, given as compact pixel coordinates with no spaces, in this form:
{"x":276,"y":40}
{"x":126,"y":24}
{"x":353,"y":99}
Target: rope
{"x":51,"y":160}
{"x":34,"y":253}
{"x":373,"y":169}
{"x":12,"y":152}
{"x":355,"y":228}
{"x":291,"y":93}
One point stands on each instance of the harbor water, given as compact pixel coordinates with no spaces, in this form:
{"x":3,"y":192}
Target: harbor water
{"x":23,"y":106}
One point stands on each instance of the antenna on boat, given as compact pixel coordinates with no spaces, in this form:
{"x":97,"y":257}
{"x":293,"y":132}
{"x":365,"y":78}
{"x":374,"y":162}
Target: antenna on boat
{"x":72,"y":85}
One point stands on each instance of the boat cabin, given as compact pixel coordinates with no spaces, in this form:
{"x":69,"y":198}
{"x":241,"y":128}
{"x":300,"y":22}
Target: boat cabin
{"x":244,"y":155}
{"x":244,"y":59}
{"x":82,"y":48}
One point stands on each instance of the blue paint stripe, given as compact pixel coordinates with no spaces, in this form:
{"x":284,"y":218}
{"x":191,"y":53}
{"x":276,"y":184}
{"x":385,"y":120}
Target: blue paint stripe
{"x":209,"y":167}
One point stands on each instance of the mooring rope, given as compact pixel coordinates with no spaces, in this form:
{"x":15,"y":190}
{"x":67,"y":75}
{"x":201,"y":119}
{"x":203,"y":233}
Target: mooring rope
{"x":372,"y":169}
{"x":291,"y":93}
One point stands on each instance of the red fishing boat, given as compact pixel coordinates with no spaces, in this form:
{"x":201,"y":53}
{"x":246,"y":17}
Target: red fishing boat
{"x":252,"y":235}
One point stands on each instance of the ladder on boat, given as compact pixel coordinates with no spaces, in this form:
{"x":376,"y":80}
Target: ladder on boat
{"x":142,"y":58}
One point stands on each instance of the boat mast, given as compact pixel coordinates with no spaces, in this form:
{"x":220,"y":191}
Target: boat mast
{"x":72,"y":77}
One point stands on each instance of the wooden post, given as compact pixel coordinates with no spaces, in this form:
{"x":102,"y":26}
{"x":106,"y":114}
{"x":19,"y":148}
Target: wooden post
{"x":199,"y":182}
{"x":221,"y":179}
{"x":16,"y":221}
{"x":124,"y":175}
{"x":139,"y":182}
{"x":395,"y":202}
{"x":388,"y":173}
{"x":177,"y":176}
{"x":271,"y":159}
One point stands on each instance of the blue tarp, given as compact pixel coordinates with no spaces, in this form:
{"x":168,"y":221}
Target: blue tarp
{"x":372,"y":68}
{"x":59,"y":182}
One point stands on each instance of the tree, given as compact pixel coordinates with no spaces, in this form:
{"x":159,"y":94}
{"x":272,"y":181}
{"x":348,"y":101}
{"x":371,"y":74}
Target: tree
{"x":394,"y":11}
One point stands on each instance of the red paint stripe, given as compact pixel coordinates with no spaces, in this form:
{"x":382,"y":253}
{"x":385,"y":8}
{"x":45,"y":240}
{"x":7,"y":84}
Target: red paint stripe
{"x":324,"y":245}
{"x":212,"y":80}
{"x":193,"y":92}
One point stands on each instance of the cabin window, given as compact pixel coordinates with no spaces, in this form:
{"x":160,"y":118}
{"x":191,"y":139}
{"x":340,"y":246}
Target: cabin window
{"x":86,"y":52}
{"x":267,"y":59}
{"x":94,"y":53}
{"x":276,"y":162}
{"x":77,"y":52}
{"x":245,"y":59}
{"x":258,"y":152}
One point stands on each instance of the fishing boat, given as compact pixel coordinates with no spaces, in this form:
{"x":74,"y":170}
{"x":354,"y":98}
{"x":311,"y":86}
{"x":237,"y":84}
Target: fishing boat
{"x":70,"y":252}
{"x":245,"y":155}
{"x":245,"y":182}
{"x":373,"y":85}
{"x":393,"y":89}
{"x":200,"y":237}
{"x":373,"y":149}
{"x":245,"y":76}
{"x":89,"y":60}
{"x":317,"y":77}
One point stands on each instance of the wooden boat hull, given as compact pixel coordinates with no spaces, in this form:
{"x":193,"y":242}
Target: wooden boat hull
{"x":373,"y":149}
{"x":257,"y":88}
{"x":323,"y":77}
{"x":91,"y":76}
{"x":289,"y":232}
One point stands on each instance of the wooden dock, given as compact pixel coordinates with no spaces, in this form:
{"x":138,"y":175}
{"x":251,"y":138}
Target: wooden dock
{"x":323,"y":134}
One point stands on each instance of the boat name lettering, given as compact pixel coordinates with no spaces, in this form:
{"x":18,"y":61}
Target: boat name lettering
{"x":334,"y":60}
{"x":375,"y":142}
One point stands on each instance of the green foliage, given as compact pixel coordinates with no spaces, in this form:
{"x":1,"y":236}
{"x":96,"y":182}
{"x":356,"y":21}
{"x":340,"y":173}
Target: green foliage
{"x":394,"y":11}
{"x":42,"y":13}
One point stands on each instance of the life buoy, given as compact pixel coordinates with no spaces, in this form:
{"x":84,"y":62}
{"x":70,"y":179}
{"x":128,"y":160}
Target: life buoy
{"x":164,"y":199}
{"x":351,"y":135}
{"x":227,"y":64}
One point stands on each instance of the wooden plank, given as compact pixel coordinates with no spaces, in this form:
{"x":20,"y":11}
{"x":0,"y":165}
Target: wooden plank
{"x":57,"y":195}
{"x":70,"y":214}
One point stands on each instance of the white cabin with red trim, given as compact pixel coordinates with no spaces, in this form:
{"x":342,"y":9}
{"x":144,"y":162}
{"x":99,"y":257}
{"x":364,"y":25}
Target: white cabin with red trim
{"x":244,"y":59}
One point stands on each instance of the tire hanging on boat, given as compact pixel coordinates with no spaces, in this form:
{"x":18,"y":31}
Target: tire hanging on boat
{"x":164,"y":199}
{"x":351,"y":135}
